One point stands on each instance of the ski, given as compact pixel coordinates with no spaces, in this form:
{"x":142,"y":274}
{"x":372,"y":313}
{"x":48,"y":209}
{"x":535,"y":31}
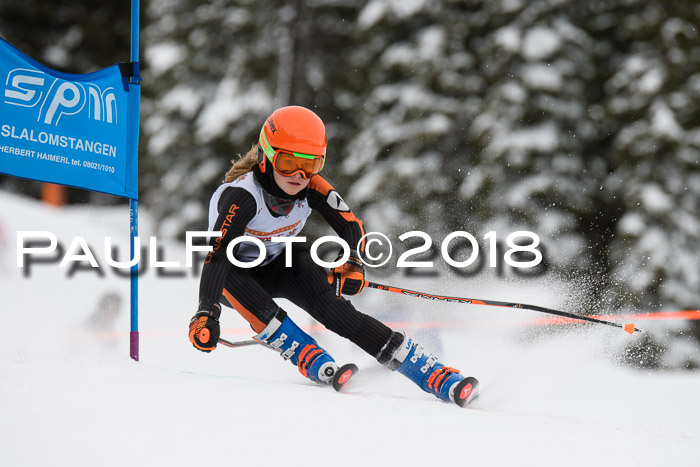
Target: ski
{"x":343,"y":375}
{"x":466,"y":391}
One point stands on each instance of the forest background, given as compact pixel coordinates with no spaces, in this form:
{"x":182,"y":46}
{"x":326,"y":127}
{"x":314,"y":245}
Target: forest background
{"x":573,"y":119}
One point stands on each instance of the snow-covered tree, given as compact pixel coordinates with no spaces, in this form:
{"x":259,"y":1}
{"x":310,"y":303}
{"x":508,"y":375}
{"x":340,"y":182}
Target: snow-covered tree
{"x":215,"y":71}
{"x":653,"y":94}
{"x":574,"y":119}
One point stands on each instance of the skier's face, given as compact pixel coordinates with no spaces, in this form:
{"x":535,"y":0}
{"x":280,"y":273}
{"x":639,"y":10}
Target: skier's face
{"x":290,"y":185}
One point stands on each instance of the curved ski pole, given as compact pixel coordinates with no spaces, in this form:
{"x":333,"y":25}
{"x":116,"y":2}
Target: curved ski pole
{"x":237,"y":344}
{"x":628,"y":328}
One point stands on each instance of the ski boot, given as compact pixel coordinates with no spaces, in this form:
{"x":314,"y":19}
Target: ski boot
{"x":412,"y":361}
{"x":301,"y":349}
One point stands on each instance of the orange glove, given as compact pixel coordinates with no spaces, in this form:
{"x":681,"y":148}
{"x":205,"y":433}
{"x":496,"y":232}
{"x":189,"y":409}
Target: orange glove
{"x":348,"y":278}
{"x":205,"y":330}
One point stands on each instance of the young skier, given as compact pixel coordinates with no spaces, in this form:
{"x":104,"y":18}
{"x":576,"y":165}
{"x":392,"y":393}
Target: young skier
{"x":270,"y":193}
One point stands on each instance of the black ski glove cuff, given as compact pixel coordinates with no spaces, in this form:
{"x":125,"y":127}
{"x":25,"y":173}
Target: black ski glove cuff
{"x":209,"y":305}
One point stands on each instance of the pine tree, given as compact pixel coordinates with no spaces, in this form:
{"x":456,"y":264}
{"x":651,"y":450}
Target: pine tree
{"x":217,"y":71}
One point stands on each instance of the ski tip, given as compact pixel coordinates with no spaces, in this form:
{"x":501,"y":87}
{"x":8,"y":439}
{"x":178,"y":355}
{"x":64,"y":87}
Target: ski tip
{"x":466,"y":391}
{"x":343,"y":375}
{"x":629,"y":328}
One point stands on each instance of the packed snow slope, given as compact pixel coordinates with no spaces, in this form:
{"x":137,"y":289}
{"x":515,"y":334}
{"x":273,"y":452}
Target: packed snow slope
{"x":71,"y":396}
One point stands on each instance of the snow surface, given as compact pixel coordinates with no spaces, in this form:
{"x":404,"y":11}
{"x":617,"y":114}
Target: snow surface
{"x":71,"y":396}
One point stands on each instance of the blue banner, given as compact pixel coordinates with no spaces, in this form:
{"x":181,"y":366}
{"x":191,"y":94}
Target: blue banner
{"x":77,"y":130}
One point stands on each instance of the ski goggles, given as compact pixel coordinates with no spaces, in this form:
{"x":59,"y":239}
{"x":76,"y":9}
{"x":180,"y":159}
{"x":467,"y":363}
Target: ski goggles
{"x":290,"y":163}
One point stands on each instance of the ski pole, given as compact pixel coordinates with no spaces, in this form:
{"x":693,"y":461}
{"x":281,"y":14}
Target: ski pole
{"x":237,"y":344}
{"x":628,"y":328}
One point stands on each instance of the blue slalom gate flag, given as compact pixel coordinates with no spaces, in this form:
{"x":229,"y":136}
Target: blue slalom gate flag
{"x":77,"y":130}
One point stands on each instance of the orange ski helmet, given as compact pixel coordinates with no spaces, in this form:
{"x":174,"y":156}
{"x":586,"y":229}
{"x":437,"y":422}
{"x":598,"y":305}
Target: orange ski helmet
{"x":295,"y":131}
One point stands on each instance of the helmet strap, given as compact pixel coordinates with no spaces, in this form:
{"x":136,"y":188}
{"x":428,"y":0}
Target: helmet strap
{"x":261,"y":159}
